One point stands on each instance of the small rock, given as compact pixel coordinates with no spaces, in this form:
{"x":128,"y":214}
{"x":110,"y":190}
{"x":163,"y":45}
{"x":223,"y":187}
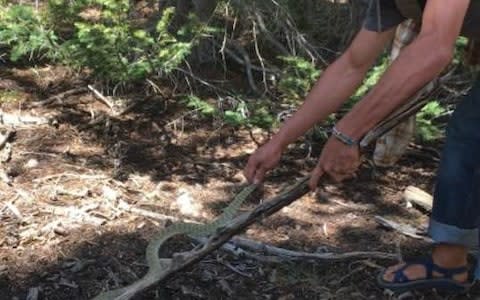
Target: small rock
{"x":31,"y":163}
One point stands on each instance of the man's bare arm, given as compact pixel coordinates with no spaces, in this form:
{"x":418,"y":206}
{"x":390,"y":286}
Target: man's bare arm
{"x":418,"y":64}
{"x":336,"y":85}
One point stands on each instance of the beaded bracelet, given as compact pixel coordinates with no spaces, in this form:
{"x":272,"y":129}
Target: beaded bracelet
{"x":344,"y":138}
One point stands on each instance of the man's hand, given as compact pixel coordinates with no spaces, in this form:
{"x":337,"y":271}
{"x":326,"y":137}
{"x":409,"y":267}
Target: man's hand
{"x":337,"y":160}
{"x":262,"y":160}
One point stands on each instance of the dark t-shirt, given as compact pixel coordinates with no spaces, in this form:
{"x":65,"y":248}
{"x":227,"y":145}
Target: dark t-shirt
{"x":390,"y":16}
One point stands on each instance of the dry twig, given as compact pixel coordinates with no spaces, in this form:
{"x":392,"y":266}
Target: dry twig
{"x":101,"y":97}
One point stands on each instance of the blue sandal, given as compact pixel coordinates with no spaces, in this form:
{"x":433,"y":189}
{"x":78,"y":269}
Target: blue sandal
{"x":401,"y":283}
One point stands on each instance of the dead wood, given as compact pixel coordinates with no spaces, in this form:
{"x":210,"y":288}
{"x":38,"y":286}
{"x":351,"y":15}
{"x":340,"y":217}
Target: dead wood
{"x":59,"y":98}
{"x":292,"y":255}
{"x":418,"y":197}
{"x":404,"y":229}
{"x":101,"y":97}
{"x":265,"y":252}
{"x":18,"y":120}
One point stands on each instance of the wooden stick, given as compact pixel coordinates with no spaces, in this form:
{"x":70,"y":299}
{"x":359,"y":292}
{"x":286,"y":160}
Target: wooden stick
{"x":298,"y":255}
{"x":282,"y":254}
{"x":101,"y":97}
{"x":404,"y":229}
{"x":59,"y":97}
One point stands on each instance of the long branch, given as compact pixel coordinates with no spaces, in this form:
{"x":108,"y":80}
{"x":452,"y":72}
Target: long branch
{"x":236,"y":226}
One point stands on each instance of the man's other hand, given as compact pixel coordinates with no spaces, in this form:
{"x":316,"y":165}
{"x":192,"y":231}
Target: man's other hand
{"x":337,"y":160}
{"x":261,"y":161}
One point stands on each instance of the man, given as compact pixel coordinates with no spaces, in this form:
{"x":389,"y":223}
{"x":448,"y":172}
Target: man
{"x":456,"y":212}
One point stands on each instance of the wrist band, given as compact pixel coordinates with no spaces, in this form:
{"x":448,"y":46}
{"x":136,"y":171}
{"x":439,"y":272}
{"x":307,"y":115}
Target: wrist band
{"x":344,"y":138}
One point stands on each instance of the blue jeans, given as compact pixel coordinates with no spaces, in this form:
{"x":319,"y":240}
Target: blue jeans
{"x":456,"y":207}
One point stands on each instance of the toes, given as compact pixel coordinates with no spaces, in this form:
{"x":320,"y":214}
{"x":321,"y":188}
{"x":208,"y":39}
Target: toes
{"x":390,"y":272}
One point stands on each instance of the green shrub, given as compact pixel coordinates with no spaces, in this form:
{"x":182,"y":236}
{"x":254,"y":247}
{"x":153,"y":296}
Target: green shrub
{"x":241,"y":114}
{"x":115,"y":50}
{"x":24,"y":34}
{"x":201,"y":106}
{"x":427,"y":130}
{"x":297,"y":78}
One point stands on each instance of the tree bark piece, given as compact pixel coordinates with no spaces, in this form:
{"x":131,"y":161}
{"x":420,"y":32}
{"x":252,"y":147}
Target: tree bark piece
{"x":404,"y":229}
{"x":418,"y":197}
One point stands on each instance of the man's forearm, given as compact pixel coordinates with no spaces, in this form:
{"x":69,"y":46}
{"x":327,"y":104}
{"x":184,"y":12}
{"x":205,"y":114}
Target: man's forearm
{"x":335,"y":86}
{"x":418,"y":64}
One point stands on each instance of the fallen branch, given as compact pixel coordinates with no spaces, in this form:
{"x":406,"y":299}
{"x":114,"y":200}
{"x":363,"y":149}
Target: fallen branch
{"x":101,"y":97}
{"x":59,"y":97}
{"x":238,"y":245}
{"x":22,"y":120}
{"x":298,"y":255}
{"x":404,"y":229}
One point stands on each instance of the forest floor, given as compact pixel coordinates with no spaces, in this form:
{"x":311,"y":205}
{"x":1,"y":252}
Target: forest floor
{"x":75,"y":191}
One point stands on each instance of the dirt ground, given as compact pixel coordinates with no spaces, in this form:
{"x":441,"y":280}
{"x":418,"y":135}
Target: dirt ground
{"x":67,"y":207}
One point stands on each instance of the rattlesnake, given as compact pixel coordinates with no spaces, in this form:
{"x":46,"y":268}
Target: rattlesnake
{"x":158,"y":266}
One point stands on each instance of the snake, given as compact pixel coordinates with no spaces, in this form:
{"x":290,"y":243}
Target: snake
{"x":157,"y":266}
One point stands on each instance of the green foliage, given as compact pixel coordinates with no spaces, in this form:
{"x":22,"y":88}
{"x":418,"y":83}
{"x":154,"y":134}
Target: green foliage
{"x":297,"y":77}
{"x":99,"y":35}
{"x":24,"y":34}
{"x":117,"y":51}
{"x":241,"y":114}
{"x":199,"y":105}
{"x":460,"y":47}
{"x":427,"y":130}
{"x":371,"y":79}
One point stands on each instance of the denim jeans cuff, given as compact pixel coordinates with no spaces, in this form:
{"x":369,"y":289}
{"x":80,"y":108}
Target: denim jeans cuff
{"x":449,"y":234}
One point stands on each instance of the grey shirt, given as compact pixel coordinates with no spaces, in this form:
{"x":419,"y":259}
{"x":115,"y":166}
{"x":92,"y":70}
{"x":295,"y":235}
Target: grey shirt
{"x":390,"y":16}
